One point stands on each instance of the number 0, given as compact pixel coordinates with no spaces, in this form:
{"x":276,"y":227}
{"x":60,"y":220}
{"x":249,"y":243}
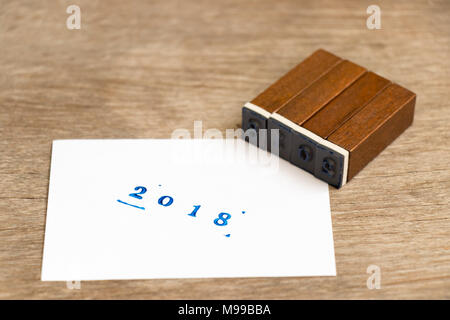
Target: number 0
{"x":168,"y":203}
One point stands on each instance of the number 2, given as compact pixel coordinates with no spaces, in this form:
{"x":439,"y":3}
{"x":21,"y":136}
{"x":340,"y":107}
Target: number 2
{"x":137,"y":194}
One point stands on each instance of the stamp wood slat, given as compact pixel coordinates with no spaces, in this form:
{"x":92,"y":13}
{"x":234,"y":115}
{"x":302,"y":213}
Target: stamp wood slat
{"x":141,"y":69}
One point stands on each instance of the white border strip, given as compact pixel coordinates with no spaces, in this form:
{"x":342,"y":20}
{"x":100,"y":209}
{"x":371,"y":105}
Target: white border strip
{"x":317,"y":139}
{"x":257,"y":109}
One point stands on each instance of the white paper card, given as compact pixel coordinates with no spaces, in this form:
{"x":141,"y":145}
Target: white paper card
{"x":145,"y":209}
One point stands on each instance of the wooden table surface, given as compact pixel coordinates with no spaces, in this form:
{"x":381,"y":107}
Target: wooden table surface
{"x":140,"y":69}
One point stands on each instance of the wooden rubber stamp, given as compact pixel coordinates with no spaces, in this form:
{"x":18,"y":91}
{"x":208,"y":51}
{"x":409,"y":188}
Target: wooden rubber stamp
{"x":337,"y":122}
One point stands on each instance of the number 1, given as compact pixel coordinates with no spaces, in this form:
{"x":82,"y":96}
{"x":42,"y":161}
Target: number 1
{"x":194,"y":212}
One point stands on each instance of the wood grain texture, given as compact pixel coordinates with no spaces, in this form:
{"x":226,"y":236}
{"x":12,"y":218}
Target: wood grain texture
{"x":140,"y":69}
{"x":344,"y":106}
{"x":311,"y":100}
{"x":375,"y":126}
{"x":296,"y":80}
